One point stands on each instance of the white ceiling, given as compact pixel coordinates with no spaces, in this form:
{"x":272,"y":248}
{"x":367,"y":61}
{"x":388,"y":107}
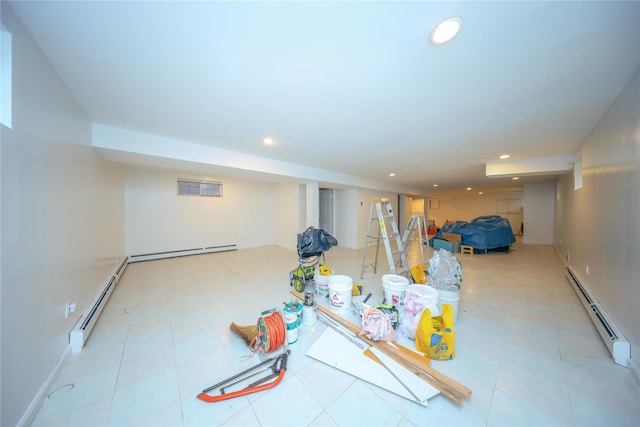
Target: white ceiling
{"x":353,"y":87}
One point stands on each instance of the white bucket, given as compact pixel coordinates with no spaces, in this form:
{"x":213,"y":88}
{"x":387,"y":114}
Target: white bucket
{"x":340,"y":289}
{"x":291,"y":320}
{"x":309,"y":314}
{"x":451,"y":298}
{"x":394,"y":287}
{"x":322,"y":284}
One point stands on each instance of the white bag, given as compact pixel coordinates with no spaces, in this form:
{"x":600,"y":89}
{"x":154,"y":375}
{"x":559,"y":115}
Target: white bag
{"x":416,"y":299}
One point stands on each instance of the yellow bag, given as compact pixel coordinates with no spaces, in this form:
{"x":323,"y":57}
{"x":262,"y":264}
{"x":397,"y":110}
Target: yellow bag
{"x":418,"y":272}
{"x":435,"y":336}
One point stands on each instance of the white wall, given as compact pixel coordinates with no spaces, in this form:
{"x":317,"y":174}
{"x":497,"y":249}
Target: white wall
{"x":62,"y":223}
{"x":287,"y":215}
{"x":466,"y":208}
{"x":352,"y":207}
{"x":364,"y":212}
{"x":418,"y":206}
{"x":345,"y":221}
{"x":538,"y":212}
{"x":597,"y":225}
{"x":157,"y":219}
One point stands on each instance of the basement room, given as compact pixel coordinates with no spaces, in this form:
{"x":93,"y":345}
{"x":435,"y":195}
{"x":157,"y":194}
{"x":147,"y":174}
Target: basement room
{"x":312,"y":213}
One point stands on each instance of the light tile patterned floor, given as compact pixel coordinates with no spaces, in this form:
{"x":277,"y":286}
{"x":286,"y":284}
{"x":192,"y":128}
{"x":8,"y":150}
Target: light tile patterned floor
{"x":524,"y":345}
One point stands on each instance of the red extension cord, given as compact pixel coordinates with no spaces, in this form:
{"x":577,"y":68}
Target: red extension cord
{"x":272,"y":331}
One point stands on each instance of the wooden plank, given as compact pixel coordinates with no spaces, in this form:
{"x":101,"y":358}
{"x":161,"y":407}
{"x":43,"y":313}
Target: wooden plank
{"x":412,"y":355}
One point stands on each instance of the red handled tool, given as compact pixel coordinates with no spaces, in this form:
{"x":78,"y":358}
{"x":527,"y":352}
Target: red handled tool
{"x":277,"y":368}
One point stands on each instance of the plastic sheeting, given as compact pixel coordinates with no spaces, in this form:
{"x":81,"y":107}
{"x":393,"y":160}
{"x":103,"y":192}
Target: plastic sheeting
{"x":444,"y":271}
{"x":484,"y":232}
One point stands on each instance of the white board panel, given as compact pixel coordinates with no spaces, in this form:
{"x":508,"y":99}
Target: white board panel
{"x":334,"y":350}
{"x":416,"y":385}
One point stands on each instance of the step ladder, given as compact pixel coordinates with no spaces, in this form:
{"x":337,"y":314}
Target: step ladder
{"x":381,"y":218}
{"x":416,"y":229}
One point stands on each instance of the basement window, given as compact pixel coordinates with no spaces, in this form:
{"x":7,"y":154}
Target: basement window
{"x":190,"y":187}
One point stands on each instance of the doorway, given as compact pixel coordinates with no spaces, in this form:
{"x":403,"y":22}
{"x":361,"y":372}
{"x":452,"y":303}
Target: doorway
{"x":326,"y":210}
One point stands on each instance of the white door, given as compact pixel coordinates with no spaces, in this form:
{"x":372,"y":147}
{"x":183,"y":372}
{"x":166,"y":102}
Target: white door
{"x":326,"y":210}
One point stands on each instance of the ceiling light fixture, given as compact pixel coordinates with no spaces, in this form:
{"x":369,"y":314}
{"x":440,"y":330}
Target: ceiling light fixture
{"x":504,"y":156}
{"x":268,"y":141}
{"x":446,"y":30}
{"x":515,"y":177}
{"x":435,"y":185}
{"x":392,"y":174}
{"x":468,"y":188}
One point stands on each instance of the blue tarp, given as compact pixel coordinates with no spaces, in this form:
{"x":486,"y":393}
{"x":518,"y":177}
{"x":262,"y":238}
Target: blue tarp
{"x":484,"y":232}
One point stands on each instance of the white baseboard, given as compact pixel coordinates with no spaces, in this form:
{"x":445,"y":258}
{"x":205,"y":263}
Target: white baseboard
{"x":182,"y":252}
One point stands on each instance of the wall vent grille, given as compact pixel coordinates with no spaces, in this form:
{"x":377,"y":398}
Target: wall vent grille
{"x":190,"y":187}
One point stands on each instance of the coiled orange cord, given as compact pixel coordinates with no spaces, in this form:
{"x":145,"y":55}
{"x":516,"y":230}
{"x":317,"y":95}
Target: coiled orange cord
{"x":272,"y":331}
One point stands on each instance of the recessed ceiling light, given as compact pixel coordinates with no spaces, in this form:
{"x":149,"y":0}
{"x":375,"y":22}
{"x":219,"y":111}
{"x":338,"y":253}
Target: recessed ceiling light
{"x":268,"y":141}
{"x":480,"y":192}
{"x":392,"y":174}
{"x":504,"y":156}
{"x":446,"y":30}
{"x":468,"y":188}
{"x":515,"y":177}
{"x":435,"y":185}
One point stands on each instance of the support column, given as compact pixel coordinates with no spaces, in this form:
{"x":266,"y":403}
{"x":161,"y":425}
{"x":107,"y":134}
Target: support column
{"x":313,"y":204}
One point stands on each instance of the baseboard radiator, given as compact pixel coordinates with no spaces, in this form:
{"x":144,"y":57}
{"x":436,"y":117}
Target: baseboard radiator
{"x":182,"y":252}
{"x":614,"y":340}
{"x":82,"y":329}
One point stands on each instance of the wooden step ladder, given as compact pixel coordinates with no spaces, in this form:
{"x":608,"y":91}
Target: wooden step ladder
{"x":381,"y":218}
{"x":416,"y":231}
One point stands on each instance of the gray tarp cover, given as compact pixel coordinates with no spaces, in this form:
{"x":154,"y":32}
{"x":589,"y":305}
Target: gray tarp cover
{"x":315,"y":240}
{"x":484,"y":232}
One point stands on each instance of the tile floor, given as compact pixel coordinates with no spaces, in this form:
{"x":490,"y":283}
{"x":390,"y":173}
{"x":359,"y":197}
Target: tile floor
{"x":524,"y":345}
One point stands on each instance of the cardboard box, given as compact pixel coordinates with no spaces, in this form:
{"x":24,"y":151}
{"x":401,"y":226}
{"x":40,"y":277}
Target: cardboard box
{"x":445,"y":244}
{"x":452,"y":237}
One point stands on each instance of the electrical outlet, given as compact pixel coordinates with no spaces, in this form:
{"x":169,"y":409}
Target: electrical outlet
{"x":69,"y":307}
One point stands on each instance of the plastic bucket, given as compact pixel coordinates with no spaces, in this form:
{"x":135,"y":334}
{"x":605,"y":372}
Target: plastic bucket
{"x":292,"y":321}
{"x":309,"y":315}
{"x":294,"y":308}
{"x":394,"y":287}
{"x":340,"y":289}
{"x":451,"y":297}
{"x":322,"y":284}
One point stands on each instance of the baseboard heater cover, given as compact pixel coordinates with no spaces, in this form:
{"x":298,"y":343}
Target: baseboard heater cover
{"x":617,"y":344}
{"x":182,"y":252}
{"x":83,"y":327}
